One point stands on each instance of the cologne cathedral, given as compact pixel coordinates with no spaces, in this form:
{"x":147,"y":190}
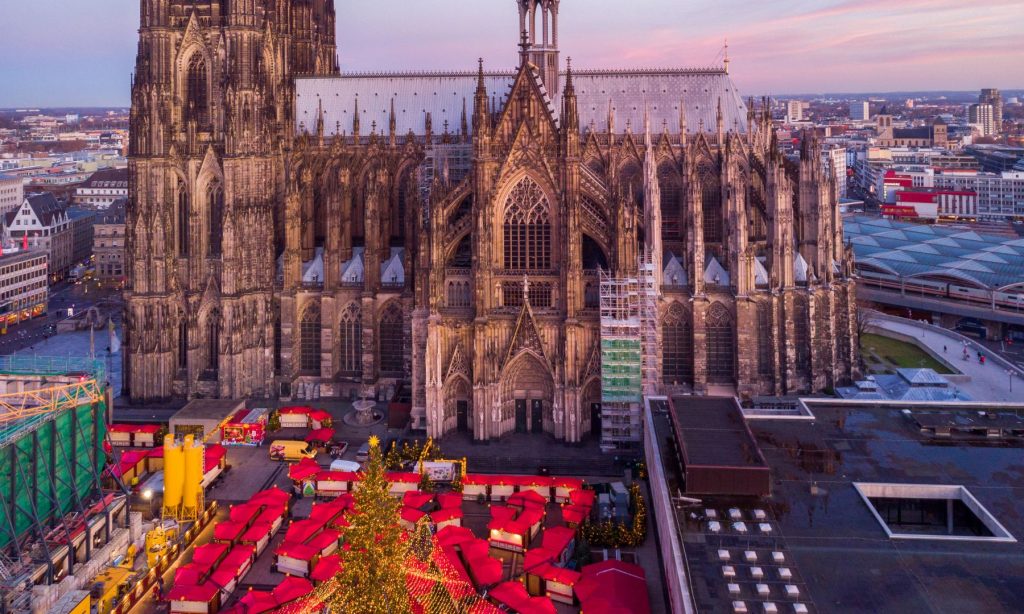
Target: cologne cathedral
{"x":297,"y":232}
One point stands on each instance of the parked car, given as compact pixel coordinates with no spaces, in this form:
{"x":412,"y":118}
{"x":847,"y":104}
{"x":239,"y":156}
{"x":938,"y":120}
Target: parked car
{"x":337,"y":448}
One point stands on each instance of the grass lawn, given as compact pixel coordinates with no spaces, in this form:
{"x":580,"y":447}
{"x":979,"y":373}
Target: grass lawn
{"x":900,"y":353}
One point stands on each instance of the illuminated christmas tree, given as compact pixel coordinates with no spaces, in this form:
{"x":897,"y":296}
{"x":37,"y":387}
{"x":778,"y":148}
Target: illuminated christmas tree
{"x":373,"y":576}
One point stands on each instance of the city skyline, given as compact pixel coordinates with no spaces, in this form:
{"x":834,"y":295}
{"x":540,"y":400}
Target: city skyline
{"x":843,"y":46}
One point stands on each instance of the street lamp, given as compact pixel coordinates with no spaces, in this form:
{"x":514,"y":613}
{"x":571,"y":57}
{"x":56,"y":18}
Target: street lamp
{"x":1010,"y":374}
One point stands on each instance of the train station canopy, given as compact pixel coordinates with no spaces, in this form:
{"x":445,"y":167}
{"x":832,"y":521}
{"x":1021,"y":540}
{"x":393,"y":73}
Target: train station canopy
{"x":935,"y":252}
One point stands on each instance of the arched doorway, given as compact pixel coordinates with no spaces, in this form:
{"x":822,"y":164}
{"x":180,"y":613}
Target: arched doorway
{"x":458,"y":408}
{"x":527,"y":392}
{"x":591,"y":409}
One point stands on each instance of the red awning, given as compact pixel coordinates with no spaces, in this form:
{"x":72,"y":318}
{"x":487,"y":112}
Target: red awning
{"x":613,"y":587}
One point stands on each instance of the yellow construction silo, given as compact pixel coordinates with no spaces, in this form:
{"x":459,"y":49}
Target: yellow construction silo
{"x":192,"y":491}
{"x":174,"y":477}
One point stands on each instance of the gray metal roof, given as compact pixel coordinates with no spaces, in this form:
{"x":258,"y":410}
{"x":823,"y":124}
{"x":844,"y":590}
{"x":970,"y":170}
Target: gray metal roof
{"x":444,"y":96}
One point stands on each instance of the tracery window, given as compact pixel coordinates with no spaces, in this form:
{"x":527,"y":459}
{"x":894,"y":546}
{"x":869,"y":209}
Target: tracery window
{"x":711,"y":205}
{"x":350,"y":341}
{"x":213,"y":339}
{"x":720,"y":345}
{"x":677,"y":346}
{"x":527,"y":228}
{"x":801,"y":342}
{"x":183,"y":220}
{"x":197,"y":99}
{"x":215,"y":205}
{"x":309,"y":339}
{"x":392,"y":346}
{"x":458,"y":294}
{"x":764,"y":339}
{"x":671,"y":199}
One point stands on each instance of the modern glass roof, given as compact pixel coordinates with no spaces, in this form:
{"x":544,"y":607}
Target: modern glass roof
{"x":991,"y":261}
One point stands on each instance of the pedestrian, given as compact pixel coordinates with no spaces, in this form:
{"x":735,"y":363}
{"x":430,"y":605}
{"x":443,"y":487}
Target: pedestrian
{"x":943,"y":349}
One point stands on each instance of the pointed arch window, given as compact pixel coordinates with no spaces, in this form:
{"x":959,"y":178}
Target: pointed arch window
{"x":213,"y":341}
{"x":711,"y":205}
{"x":801,"y":340}
{"x":764,"y":339}
{"x":197,"y":91}
{"x":350,"y":341}
{"x":721,"y":347}
{"x":670,"y":187}
{"x":215,"y":209}
{"x":183,"y":220}
{"x":309,"y":339}
{"x":677,"y":346}
{"x":527,"y":231}
{"x":183,"y":343}
{"x":392,"y":341}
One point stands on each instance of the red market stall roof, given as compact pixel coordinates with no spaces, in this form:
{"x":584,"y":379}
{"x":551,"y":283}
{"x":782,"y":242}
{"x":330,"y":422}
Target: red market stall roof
{"x":582,"y":497}
{"x":271,"y":496}
{"x":190,"y":574}
{"x":417,"y":499}
{"x":209,"y":555}
{"x":301,"y":531}
{"x":554,"y":573}
{"x":452,"y":535}
{"x":198,"y":594}
{"x":570,"y":483}
{"x":507,"y":480}
{"x":575,"y":514}
{"x":271,"y":513}
{"x":320,"y":435}
{"x":613,"y":587}
{"x":500,"y":512}
{"x":444,"y":515}
{"x":484,"y":607}
{"x":403,"y":477}
{"x":411,"y":514}
{"x":527,"y":498}
{"x":304,"y":469}
{"x":134,"y":428}
{"x":326,"y":512}
{"x":254,"y":602}
{"x":531,"y":517}
{"x":238,"y":557}
{"x":449,"y":500}
{"x":484,"y":569}
{"x":228,"y":531}
{"x":319,"y":415}
{"x":296,"y":409}
{"x":536,"y":559}
{"x":557,"y":539}
{"x":514,"y":595}
{"x":326,"y":568}
{"x":291,"y":589}
{"x":244,"y":512}
{"x":256,"y":532}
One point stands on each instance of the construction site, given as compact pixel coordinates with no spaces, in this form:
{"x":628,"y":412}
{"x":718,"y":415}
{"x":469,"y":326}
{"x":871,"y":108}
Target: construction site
{"x":59,"y":513}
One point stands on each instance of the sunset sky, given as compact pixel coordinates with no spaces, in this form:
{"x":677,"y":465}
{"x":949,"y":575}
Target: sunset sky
{"x":81,"y":52}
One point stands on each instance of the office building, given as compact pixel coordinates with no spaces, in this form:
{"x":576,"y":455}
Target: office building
{"x":24,"y":287}
{"x":982,"y":116}
{"x":991,"y":96}
{"x":794,"y":111}
{"x":860,"y":111}
{"x":12,"y":193}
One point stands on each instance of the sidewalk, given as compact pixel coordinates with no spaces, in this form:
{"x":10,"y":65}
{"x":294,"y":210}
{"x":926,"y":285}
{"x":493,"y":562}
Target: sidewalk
{"x":989,"y":382}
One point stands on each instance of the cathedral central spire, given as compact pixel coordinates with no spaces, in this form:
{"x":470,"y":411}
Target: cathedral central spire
{"x":541,"y":50}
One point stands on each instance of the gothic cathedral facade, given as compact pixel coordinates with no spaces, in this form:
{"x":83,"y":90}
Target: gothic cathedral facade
{"x":297,"y":232}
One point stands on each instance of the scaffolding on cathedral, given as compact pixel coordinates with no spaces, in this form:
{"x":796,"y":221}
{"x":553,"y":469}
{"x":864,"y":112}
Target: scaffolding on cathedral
{"x":621,"y":361}
{"x":649,"y":324}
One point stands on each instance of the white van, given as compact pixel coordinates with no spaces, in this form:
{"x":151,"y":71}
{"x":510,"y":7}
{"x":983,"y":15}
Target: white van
{"x":344,"y":465}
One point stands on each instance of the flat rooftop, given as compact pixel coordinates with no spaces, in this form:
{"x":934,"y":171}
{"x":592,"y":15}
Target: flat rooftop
{"x":841,"y":558}
{"x":713,"y":432}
